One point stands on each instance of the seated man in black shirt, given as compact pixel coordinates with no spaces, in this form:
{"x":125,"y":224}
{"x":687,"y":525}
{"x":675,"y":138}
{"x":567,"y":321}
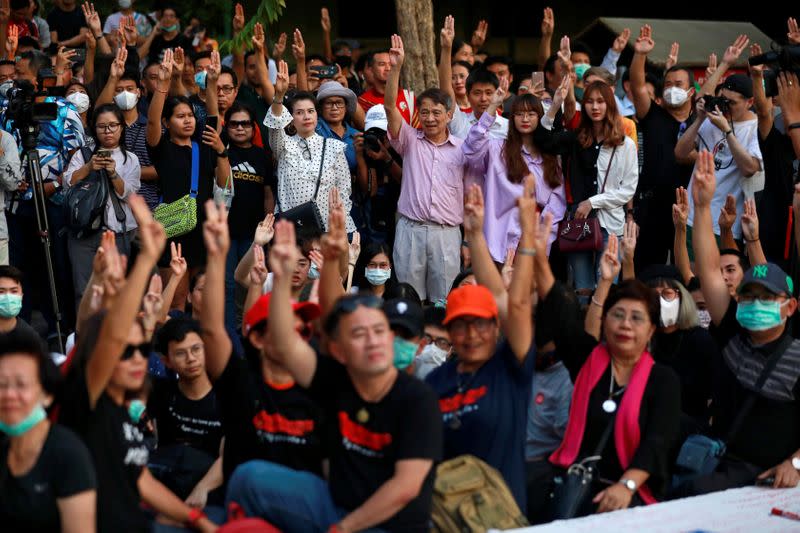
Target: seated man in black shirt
{"x":760,"y":424}
{"x":11,"y":301}
{"x":187,"y":416}
{"x":386,"y":426}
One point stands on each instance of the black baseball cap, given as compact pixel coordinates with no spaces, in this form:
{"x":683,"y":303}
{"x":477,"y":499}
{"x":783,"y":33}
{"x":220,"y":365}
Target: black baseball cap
{"x":770,"y":276}
{"x":406,"y":314}
{"x":739,"y":83}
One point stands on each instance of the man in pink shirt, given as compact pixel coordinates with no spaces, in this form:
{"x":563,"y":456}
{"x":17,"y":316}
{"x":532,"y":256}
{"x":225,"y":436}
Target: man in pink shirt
{"x":428,"y":238}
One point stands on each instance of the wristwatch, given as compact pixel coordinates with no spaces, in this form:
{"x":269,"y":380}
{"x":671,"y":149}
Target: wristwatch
{"x":629,"y":484}
{"x":223,"y":154}
{"x":796,"y":463}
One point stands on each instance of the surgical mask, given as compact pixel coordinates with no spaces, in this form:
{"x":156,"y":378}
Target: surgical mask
{"x":20,"y":428}
{"x":433,"y":354}
{"x":675,"y":96}
{"x":135,"y":410}
{"x":578,"y":93}
{"x":169,"y":29}
{"x":377,"y":276}
{"x":313,"y":273}
{"x":705,"y":318}
{"x":404,"y":352}
{"x":5,"y":86}
{"x":10,"y":304}
{"x":580,"y":69}
{"x":344,"y":61}
{"x":669,"y":311}
{"x":200,"y":79}
{"x":125,"y":4}
{"x":760,"y":316}
{"x":80,"y":101}
{"x":126,"y":100}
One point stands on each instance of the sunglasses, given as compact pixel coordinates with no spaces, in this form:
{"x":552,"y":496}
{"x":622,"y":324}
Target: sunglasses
{"x":244,"y":124}
{"x":348,"y":304}
{"x":144,"y":349}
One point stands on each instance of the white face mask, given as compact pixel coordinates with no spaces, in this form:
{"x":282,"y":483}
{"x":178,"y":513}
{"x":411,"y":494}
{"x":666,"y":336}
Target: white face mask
{"x":669,"y":311}
{"x":675,"y":96}
{"x":430,"y":358}
{"x":705,"y":318}
{"x":126,"y":100}
{"x":80,"y":101}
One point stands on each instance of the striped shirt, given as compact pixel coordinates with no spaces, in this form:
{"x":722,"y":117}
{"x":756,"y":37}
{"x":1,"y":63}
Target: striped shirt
{"x":136,"y":142}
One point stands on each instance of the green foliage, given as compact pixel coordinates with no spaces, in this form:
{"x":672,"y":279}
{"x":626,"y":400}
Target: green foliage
{"x":267,"y":13}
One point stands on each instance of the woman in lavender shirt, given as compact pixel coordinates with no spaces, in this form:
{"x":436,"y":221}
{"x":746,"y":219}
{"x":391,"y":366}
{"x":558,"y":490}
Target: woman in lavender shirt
{"x":505,"y":163}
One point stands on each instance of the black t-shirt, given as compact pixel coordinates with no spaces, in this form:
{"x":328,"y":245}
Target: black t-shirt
{"x":249,"y":97}
{"x":775,"y":201}
{"x":770,"y":432}
{"x":180,"y":420}
{"x":68,"y":24}
{"x":660,"y":133}
{"x":119,"y":453}
{"x":269,"y":422}
{"x":63,"y":469}
{"x":160,"y":44}
{"x":252,"y":172}
{"x":367,"y":440}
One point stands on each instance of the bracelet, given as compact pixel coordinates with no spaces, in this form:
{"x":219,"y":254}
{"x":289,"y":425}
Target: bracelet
{"x":728,"y":132}
{"x":351,"y":264}
{"x":752,"y":240}
{"x":595,"y":302}
{"x":99,"y":36}
{"x":527,"y":251}
{"x":195,"y":515}
{"x":465,"y":244}
{"x":793,"y":126}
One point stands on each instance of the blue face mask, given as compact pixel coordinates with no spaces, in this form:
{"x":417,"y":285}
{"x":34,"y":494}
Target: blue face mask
{"x":10,"y":304}
{"x":760,"y":316}
{"x":15,"y":430}
{"x":377,"y":276}
{"x":580,"y":69}
{"x":404,"y":353}
{"x":135,"y":410}
{"x":313,"y":273}
{"x":169,"y":29}
{"x":200,"y":79}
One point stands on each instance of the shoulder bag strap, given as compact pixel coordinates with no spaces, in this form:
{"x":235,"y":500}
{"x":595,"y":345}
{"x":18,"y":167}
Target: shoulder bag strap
{"x":762,"y":378}
{"x":195,"y":169}
{"x":321,"y":164}
{"x":601,"y":444}
{"x":608,"y":169}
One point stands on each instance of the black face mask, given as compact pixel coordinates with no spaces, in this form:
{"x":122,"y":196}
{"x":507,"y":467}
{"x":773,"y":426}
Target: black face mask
{"x":344,"y":61}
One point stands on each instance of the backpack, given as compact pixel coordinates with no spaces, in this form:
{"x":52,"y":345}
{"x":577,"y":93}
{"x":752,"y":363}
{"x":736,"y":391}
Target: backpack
{"x":85,"y":202}
{"x":469,"y":496}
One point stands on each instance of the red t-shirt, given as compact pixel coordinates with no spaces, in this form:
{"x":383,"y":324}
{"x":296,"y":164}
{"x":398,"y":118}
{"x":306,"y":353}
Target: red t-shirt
{"x":405,"y":104}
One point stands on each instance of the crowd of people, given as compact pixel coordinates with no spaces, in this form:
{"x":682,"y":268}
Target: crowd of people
{"x":292,"y":294}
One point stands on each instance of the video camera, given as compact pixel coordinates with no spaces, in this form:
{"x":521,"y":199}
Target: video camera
{"x":22,"y":106}
{"x":784,"y":59}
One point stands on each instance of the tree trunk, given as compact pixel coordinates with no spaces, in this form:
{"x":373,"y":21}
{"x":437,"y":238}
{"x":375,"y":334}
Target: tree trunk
{"x":415,"y":23}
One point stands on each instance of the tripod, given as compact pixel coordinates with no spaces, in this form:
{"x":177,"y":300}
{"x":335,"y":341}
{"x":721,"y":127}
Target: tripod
{"x":29,"y":133}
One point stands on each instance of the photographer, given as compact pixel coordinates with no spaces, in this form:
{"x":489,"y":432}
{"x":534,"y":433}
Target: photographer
{"x":10,"y":180}
{"x":731,"y":135}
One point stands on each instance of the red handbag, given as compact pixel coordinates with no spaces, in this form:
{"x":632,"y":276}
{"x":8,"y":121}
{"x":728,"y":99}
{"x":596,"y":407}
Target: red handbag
{"x":583,"y":234}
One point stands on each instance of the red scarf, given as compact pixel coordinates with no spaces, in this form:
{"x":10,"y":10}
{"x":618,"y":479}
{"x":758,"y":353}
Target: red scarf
{"x":627,"y":433}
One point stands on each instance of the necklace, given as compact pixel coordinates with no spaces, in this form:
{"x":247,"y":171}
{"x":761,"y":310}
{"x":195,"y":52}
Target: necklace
{"x":455,"y":422}
{"x":609,"y":406}
{"x":362,"y":415}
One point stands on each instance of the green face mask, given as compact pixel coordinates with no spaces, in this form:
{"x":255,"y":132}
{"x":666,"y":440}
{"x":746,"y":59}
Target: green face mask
{"x":404,"y":352}
{"x":135,"y":410}
{"x":759,"y":315}
{"x":15,"y":430}
{"x":10,"y":304}
{"x":580,"y":69}
{"x":169,"y":29}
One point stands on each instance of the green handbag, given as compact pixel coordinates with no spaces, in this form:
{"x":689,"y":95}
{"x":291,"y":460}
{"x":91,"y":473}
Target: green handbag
{"x":180,"y":217}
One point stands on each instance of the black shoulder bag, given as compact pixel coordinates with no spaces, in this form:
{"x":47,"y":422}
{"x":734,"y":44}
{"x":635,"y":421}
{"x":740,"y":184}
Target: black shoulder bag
{"x":306,"y":216}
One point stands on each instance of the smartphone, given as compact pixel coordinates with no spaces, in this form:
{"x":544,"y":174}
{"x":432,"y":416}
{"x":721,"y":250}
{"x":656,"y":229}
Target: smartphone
{"x":104,"y":153}
{"x":325,"y":72}
{"x":212,"y":121}
{"x":80,"y":55}
{"x":537,"y":77}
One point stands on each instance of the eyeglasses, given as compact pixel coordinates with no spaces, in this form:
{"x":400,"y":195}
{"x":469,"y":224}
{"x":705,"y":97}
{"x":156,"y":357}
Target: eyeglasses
{"x":460,"y":326}
{"x":244,"y":124}
{"x":144,"y":350}
{"x":111,"y":127}
{"x":526,"y":114}
{"x":195,"y":350}
{"x":668,"y":293}
{"x":306,"y":150}
{"x":619,"y":315}
{"x":226,"y":89}
{"x":439,"y":342}
{"x":334,"y":105}
{"x":760,"y":298}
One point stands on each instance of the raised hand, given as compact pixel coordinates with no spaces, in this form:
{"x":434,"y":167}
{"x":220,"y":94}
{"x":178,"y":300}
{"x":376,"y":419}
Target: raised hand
{"x":298,"y":46}
{"x":543,"y":234}
{"x":258,"y":38}
{"x":789,"y":96}
{"x":473,"y":210}
{"x":152,"y":304}
{"x":325,"y":20}
{"x":507,"y":272}
{"x":561,"y":94}
{"x":564,"y":52}
{"x":131,"y":33}
{"x":528,"y":217}
{"x":280,"y":46}
{"x":212,"y":139}
{"x":283,"y":255}
{"x":63,"y":57}
{"x":621,"y":41}
{"x":282,"y":80}
{"x":177,"y":263}
{"x":92,"y":18}
{"x":238,"y":18}
{"x":548,"y":22}
{"x":680,"y":209}
{"x":265,"y":230}
{"x":630,"y":234}
{"x":727,"y":215}
{"x":750,"y":221}
{"x":178,"y":60}
{"x":448,"y":33}
{"x":712,"y":65}
{"x":704,"y":180}
{"x":756,"y":70}
{"x":12,"y":41}
{"x":479,"y":35}
{"x":793,"y":35}
{"x":118,"y":65}
{"x":317,"y":258}
{"x":609,"y":262}
{"x":644,"y":43}
{"x":500,"y":93}
{"x":733,"y":52}
{"x":334,"y":242}
{"x":152,"y":237}
{"x":91,"y":42}
{"x":215,"y":67}
{"x":215,"y":230}
{"x":672,"y":58}
{"x":397,"y":53}
{"x":165,"y":70}
{"x":355,"y":248}
{"x":258,"y":272}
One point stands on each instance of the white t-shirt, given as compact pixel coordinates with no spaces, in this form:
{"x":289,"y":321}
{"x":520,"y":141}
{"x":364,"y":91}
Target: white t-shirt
{"x":730,"y":179}
{"x":462,"y":122}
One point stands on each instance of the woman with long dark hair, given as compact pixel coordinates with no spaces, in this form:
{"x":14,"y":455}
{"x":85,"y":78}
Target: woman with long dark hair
{"x":373,"y":272}
{"x":505,"y":164}
{"x":120,"y":167}
{"x":603,"y":169}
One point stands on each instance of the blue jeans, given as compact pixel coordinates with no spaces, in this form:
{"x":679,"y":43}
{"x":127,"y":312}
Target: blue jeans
{"x":237,"y":251}
{"x":291,"y":500}
{"x":585,"y":268}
